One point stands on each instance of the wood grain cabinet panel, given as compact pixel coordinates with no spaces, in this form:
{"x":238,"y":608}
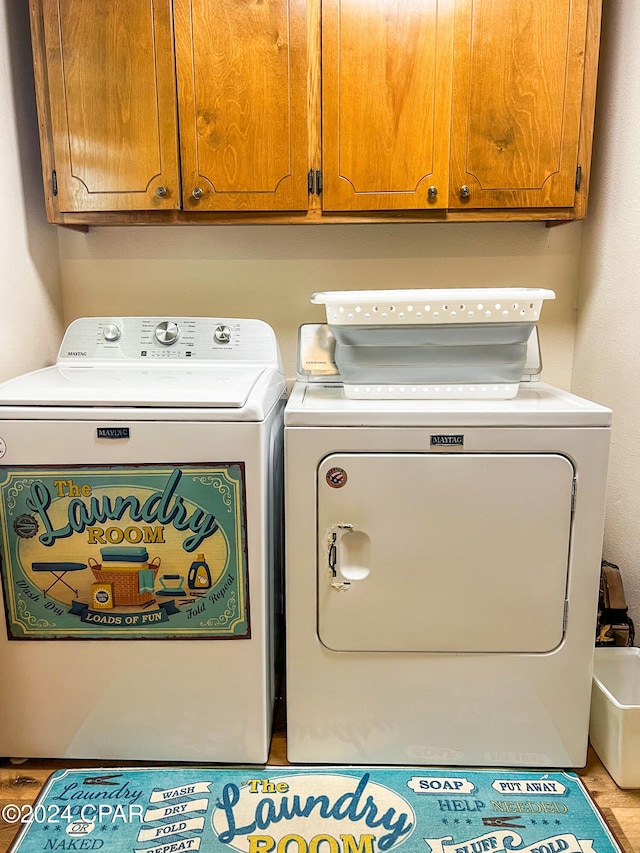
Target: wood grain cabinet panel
{"x":386,"y":83}
{"x":517,"y":96}
{"x":242,"y":69}
{"x":111,"y":93}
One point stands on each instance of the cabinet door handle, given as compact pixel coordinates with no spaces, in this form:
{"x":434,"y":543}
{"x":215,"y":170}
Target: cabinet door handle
{"x":432,"y":192}
{"x":465,"y":192}
{"x":197,"y":193}
{"x":161,"y":192}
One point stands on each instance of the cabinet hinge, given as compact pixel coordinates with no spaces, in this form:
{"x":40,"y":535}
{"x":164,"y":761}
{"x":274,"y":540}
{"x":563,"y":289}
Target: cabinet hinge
{"x":314,"y":181}
{"x":54,"y":182}
{"x":578,"y":177}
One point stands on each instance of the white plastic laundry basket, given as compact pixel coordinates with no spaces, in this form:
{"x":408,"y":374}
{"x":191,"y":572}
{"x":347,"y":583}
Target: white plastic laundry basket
{"x":426,"y":344}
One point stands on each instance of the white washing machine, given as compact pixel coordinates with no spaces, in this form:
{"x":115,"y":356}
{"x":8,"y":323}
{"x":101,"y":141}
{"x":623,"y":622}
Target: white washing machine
{"x":140,"y":491}
{"x":442,"y":568}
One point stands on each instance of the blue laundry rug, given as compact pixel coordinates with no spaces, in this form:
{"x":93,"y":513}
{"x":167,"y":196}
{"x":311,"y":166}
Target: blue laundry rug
{"x":312,"y":810}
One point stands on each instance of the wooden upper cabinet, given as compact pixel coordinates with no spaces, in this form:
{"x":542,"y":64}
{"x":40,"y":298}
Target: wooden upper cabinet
{"x":108,"y":71}
{"x":386,"y":101}
{"x":111,"y":97}
{"x":242,"y":72}
{"x":517,"y":96}
{"x":224,"y":110}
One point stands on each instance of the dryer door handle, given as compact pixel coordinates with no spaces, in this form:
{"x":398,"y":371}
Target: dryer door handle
{"x":333,"y":542}
{"x":347,"y":555}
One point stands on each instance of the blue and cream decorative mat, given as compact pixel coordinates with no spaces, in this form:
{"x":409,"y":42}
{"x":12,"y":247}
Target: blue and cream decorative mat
{"x":312,"y":810}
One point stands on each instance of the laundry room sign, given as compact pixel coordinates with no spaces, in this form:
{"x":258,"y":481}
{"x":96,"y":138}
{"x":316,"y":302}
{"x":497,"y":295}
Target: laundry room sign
{"x":125,"y":551}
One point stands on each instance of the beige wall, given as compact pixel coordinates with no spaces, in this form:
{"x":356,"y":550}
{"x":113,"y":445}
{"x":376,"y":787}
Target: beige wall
{"x":30,"y":295}
{"x":271,"y":271}
{"x":607,"y":363}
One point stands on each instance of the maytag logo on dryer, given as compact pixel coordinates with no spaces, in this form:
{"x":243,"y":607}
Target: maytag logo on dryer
{"x":75,"y":353}
{"x":113,"y":432}
{"x":440,"y":440}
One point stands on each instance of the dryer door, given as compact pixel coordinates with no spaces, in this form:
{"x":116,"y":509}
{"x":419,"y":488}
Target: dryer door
{"x":443,"y":552}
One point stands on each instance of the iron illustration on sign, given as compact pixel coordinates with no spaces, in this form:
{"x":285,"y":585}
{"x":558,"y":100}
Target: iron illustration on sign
{"x":147,"y":551}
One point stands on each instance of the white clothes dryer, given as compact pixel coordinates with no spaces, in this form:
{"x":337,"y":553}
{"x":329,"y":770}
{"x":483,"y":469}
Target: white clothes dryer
{"x":442,"y":567}
{"x":140,"y":493}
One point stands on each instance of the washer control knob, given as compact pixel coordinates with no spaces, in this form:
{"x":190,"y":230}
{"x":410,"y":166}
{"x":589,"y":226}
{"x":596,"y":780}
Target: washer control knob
{"x":111,"y":333}
{"x":167,"y":332}
{"x":222,"y":334}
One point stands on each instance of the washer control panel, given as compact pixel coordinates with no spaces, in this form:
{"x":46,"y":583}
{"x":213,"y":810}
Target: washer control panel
{"x":146,"y":339}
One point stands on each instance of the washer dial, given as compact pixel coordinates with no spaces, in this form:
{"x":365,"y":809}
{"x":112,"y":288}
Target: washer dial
{"x":167,"y":332}
{"x":222,"y":334}
{"x":112,"y":333}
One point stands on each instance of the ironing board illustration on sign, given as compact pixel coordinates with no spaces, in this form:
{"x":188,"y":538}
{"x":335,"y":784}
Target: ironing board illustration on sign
{"x":58,"y":570}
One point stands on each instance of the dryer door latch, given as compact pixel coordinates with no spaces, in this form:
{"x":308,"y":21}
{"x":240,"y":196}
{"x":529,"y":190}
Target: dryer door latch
{"x":348,"y":555}
{"x":332,"y":555}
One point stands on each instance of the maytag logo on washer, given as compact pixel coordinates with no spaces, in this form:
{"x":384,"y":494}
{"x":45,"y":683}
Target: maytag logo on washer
{"x":113,"y":432}
{"x":447,"y":440}
{"x":351,"y":813}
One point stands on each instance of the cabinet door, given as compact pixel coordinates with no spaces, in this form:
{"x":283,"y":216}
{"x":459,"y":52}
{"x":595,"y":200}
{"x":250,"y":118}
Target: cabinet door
{"x":386,"y":93}
{"x":242,"y":103}
{"x":111,"y":87}
{"x":517,"y":91}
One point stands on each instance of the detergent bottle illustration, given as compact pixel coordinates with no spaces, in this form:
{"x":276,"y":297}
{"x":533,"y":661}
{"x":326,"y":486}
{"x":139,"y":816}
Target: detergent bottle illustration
{"x":199,"y":574}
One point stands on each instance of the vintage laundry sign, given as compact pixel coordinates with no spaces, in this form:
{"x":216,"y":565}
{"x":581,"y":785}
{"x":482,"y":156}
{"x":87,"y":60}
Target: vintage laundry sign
{"x":125,"y":551}
{"x":311,"y":810}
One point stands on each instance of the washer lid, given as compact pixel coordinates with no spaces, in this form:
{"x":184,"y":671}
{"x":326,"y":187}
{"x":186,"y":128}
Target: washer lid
{"x":155,"y":386}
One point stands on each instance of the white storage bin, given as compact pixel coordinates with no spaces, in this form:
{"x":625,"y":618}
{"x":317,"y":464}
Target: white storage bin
{"x":614,"y":729}
{"x":433,"y":305}
{"x":458,"y":343}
